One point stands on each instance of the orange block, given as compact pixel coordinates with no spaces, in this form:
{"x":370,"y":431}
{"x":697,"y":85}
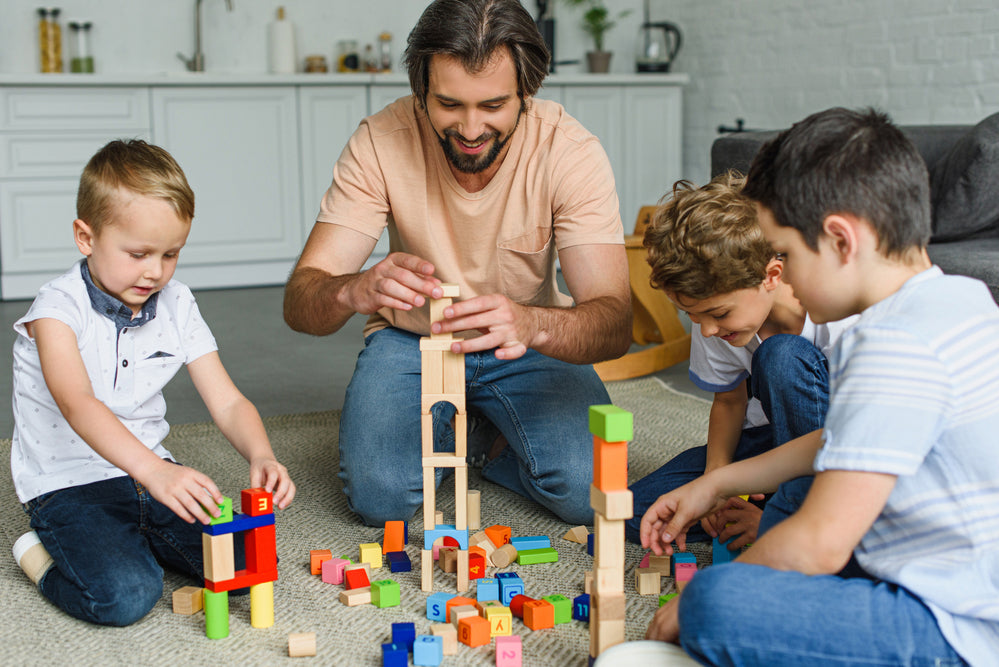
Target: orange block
{"x":474,"y":631}
{"x":539,"y":614}
{"x":456,"y":601}
{"x":517,"y":604}
{"x":316,"y":558}
{"x":498,"y":535}
{"x":610,"y":464}
{"x":476,"y":566}
{"x":395,"y":537}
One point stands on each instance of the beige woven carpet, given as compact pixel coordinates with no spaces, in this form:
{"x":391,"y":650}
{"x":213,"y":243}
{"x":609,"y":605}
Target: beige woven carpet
{"x":34,"y":632}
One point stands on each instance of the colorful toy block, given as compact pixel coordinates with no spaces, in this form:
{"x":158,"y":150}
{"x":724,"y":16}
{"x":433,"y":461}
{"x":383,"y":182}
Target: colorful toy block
{"x":487,"y":589}
{"x":474,"y":509}
{"x":457,"y":601}
{"x":458,"y":613}
{"x":405,"y":634}
{"x":684,"y":572}
{"x":394,"y":655}
{"x":332,"y":570}
{"x":395,"y":536}
{"x":355,"y":578}
{"x":189,"y":600}
{"x":562,"y":606}
{"x":219,"y":556}
{"x":385,"y":593}
{"x":474,"y":631}
{"x":539,"y":615}
{"x":499,"y":535}
{"x":510,"y":584}
{"x":531,"y":542}
{"x":503,"y":556}
{"x":437,"y":606}
{"x":262,"y":604}
{"x":590,"y":539}
{"x":355,"y":596}
{"x":316,"y":558}
{"x":517,"y":604}
{"x":617,"y":504}
{"x":611,"y":423}
{"x":239,"y":523}
{"x":371,"y":553}
{"x":483,"y":605}
{"x":666,"y":597}
{"x":476,"y":566}
{"x":225,"y":507}
{"x":500,"y":620}
{"x":256,"y":502}
{"x":537,"y":556}
{"x":216,"y":606}
{"x":428,"y":650}
{"x":261,"y":549}
{"x":610,"y":465}
{"x":509,"y":651}
{"x":448,"y":560}
{"x":449,"y":634}
{"x":581,"y":607}
{"x":680,"y":557}
{"x":399,"y":561}
{"x":720,"y":552}
{"x":577,"y":534}
{"x":301,"y":644}
{"x":660,"y":564}
{"x":647,"y":581}
{"x":445,"y":531}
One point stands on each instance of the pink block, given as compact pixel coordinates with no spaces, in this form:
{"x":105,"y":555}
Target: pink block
{"x":333,"y":570}
{"x":685,"y":571}
{"x":645,"y":561}
{"x":508,"y":651}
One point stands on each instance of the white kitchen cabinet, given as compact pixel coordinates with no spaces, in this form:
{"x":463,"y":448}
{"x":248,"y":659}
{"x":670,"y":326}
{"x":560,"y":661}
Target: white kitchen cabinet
{"x":238,"y":147}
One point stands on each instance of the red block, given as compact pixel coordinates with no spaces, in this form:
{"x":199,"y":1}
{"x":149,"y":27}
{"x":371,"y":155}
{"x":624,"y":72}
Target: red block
{"x":476,"y":566}
{"x":261,"y":549}
{"x":355,"y":579}
{"x":256,"y":502}
{"x":241,"y":580}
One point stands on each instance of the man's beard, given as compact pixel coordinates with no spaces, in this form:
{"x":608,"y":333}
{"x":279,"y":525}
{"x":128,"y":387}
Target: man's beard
{"x":474,"y":164}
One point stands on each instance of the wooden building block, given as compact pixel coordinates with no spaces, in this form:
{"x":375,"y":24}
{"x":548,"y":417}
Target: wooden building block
{"x":660,"y":564}
{"x":256,"y":502}
{"x":474,"y":510}
{"x":666,"y":597}
{"x":607,"y":580}
{"x":216,"y":606}
{"x":219,"y":556}
{"x":482,"y":541}
{"x":510,"y":585}
{"x":537,"y":556}
{"x":432,"y":364}
{"x":562,"y":606}
{"x":428,"y":650}
{"x":394,"y":655}
{"x":438,"y":517}
{"x":577,"y":534}
{"x":474,"y":631}
{"x":613,"y":505}
{"x":262,"y":605}
{"x":316,"y":558}
{"x":450,"y":635}
{"x":487,"y":589}
{"x":301,"y":644}
{"x":587,"y":581}
{"x":509,"y":651}
{"x":604,"y":634}
{"x":581,"y":608}
{"x":450,"y":290}
{"x":261,"y":549}
{"x":503,"y":556}
{"x":499,"y":535}
{"x":395,"y":537}
{"x":371,"y":553}
{"x":462,"y":583}
{"x":356,"y":596}
{"x":437,"y":606}
{"x":539,"y":614}
{"x":399,"y":561}
{"x":225,"y":509}
{"x":500,"y":620}
{"x":683,"y":573}
{"x":426,"y":570}
{"x":608,"y":546}
{"x":437,"y":307}
{"x":610,"y":464}
{"x":476,"y":566}
{"x":611,"y":423}
{"x":385,"y":593}
{"x":647,"y":581}
{"x":457,"y":601}
{"x":448,"y":560}
{"x":188,"y":600}
{"x":527,"y":542}
{"x":454,"y":374}
{"x":720,"y":552}
{"x":517,"y":604}
{"x":404,"y":633}
{"x":355,"y":576}
{"x":460,"y":612}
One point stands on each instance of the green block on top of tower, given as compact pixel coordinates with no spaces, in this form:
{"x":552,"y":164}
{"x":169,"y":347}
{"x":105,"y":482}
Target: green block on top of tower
{"x":610,"y":423}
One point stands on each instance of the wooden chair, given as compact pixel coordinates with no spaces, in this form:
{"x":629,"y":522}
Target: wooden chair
{"x":656,"y":321}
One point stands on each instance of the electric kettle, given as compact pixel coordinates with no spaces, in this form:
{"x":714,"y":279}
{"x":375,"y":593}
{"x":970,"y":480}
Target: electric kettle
{"x":657,"y":46}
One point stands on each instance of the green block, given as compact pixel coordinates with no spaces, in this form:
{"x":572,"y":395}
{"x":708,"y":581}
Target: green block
{"x":216,"y":614}
{"x":535,"y":556}
{"x":385,"y":593}
{"x":611,"y":423}
{"x":226,"y":516}
{"x":563,"y":607}
{"x":663,"y":599}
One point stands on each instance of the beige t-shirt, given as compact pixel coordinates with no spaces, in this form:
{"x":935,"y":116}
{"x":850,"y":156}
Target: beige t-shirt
{"x":554,"y":190}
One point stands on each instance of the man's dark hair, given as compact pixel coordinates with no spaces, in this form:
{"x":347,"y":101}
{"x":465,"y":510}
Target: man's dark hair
{"x":844,"y":161}
{"x":471,"y":31}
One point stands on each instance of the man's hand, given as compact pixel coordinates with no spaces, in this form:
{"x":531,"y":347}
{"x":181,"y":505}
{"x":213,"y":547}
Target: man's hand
{"x":665,"y":625}
{"x":400,"y":281}
{"x":507,"y":326}
{"x":738,"y":518}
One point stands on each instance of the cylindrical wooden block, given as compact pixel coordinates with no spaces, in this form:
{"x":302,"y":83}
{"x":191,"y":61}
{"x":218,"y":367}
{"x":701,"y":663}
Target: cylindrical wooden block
{"x":301,"y":644}
{"x":216,"y":614}
{"x":503,"y":556}
{"x":262,"y":605}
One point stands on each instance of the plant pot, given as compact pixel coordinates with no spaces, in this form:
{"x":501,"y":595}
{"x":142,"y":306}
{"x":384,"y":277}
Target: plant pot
{"x":598,"y":61}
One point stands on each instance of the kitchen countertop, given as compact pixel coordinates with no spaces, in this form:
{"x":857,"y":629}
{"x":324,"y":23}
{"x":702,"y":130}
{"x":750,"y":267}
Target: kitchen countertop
{"x":334,"y":79}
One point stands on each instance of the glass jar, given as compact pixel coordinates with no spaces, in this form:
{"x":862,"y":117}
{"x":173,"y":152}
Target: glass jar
{"x":348,"y":60}
{"x":385,"y":52}
{"x":50,"y":40}
{"x":82,"y":60}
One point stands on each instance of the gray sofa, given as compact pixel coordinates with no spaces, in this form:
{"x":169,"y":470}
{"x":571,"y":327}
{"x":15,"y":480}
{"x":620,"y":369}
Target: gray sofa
{"x":963,"y":161}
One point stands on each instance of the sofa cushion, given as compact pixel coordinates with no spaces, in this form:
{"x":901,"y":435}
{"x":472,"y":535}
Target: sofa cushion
{"x":978,"y":258}
{"x":963,"y":190}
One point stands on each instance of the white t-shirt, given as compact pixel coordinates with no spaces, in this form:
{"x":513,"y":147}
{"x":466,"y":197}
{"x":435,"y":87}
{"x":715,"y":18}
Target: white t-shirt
{"x":128,"y":370}
{"x":716,"y":366}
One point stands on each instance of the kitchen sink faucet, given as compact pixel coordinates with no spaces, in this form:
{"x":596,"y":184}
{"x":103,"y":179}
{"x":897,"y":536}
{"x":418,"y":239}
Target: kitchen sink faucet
{"x":197,"y":62}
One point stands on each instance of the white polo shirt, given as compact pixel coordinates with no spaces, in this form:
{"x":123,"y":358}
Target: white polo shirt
{"x":128,"y":361}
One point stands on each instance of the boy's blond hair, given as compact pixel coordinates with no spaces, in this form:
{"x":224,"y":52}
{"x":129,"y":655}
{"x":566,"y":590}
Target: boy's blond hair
{"x":136,"y":166}
{"x":706,"y":241}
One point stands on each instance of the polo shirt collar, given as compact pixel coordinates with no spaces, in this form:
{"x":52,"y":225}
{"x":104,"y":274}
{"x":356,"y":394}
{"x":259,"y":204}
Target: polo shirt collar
{"x":112,"y":308}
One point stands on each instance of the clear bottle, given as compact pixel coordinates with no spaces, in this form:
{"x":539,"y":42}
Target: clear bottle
{"x":50,"y":40}
{"x":385,"y":52}
{"x":348,"y":60}
{"x":82,"y":60}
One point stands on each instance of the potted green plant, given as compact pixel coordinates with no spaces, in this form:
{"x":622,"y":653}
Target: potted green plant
{"x":597,"y":20}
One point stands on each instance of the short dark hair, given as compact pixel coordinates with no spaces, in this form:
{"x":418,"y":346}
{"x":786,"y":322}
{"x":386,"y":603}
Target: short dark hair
{"x":845,"y":161}
{"x":471,"y":31}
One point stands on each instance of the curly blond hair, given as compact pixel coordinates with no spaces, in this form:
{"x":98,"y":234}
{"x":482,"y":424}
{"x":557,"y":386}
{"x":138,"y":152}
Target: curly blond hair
{"x":706,"y":241}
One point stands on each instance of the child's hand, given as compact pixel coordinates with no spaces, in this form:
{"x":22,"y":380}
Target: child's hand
{"x":191,"y":495}
{"x":738,"y":518}
{"x":267,"y":473}
{"x":665,"y":625}
{"x":673,"y":513}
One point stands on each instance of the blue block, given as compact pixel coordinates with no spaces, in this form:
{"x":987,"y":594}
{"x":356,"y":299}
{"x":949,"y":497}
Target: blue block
{"x":437,"y":607}
{"x":510,"y":585}
{"x":399,"y":561}
{"x":239,"y":523}
{"x":394,"y":655}
{"x":487,"y":589}
{"x":581,"y":607}
{"x":428,"y":650}
{"x":680,"y":557}
{"x":533,"y":542}
{"x":720,"y":553}
{"x":444,"y":530}
{"x":404,"y":634}
{"x":589,"y":543}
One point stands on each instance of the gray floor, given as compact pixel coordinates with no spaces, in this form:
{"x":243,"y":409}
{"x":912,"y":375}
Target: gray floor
{"x":279,"y":370}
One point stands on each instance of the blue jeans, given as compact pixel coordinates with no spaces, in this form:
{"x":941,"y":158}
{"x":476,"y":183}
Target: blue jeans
{"x":796,"y":619}
{"x":790,"y":377}
{"x":539,"y":404}
{"x":109,"y":541}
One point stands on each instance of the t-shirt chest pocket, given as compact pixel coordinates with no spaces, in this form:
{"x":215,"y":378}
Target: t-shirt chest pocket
{"x":525,"y":263}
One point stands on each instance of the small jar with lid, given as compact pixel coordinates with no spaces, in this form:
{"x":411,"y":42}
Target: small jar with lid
{"x":385,"y":52}
{"x":349,"y":59}
{"x":49,"y":40}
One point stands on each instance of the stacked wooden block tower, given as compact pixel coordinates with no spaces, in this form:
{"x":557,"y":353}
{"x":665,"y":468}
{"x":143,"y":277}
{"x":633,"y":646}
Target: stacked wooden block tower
{"x":443,"y":380}
{"x":257,"y":525}
{"x":612,"y":505}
